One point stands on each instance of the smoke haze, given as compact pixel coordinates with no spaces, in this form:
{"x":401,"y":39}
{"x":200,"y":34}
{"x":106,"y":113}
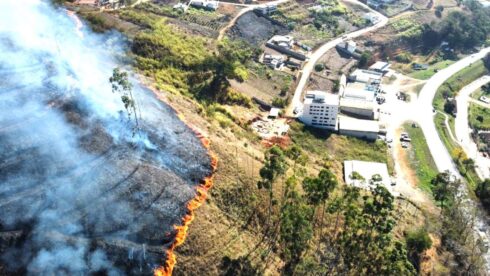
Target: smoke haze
{"x":79,"y":193}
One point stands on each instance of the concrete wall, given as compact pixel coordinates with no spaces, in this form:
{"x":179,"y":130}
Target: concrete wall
{"x":359,"y":134}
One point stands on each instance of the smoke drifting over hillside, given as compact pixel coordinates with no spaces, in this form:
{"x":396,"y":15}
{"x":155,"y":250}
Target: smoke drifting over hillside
{"x":79,"y":193}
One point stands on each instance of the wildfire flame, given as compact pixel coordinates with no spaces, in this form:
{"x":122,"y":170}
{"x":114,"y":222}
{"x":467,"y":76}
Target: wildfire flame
{"x":196,"y":202}
{"x":201,"y":189}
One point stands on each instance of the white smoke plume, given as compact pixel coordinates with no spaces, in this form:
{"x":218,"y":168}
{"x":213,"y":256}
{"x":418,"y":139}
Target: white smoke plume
{"x":78,"y":193}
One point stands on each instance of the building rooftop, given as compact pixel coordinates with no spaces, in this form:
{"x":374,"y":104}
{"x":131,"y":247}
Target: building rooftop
{"x":380,"y":66}
{"x":321,"y":97}
{"x":352,"y":124}
{"x":360,"y":91}
{"x":274,"y":113}
{"x":366,"y":76}
{"x":355,"y":103}
{"x":372,"y":173}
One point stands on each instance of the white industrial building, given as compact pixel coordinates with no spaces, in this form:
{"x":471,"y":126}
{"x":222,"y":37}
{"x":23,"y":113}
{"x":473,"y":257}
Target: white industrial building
{"x":320,"y":109}
{"x":358,"y":94}
{"x":364,"y":129}
{"x":367,"y":175}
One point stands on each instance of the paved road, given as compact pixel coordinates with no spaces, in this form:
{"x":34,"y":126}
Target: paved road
{"x":318,"y":53}
{"x":463,"y":130}
{"x":425,"y":116}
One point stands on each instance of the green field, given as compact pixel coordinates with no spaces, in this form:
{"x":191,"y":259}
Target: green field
{"x":339,"y":147}
{"x":478,"y":112}
{"x":420,"y":158}
{"x":429,"y":72}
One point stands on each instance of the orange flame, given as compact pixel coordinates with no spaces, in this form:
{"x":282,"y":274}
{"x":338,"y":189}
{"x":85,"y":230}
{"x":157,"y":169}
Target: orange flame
{"x":196,"y":202}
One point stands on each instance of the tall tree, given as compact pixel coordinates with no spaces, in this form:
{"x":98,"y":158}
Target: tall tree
{"x":440,"y":187}
{"x":120,"y":84}
{"x":296,"y":229}
{"x":274,"y":165}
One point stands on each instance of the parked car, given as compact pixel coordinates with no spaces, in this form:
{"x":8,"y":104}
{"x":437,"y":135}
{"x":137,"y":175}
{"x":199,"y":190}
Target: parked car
{"x":485,"y":99}
{"x":404,"y":145}
{"x":405,"y":139}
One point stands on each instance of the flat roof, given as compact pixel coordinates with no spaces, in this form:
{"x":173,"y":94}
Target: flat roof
{"x":352,"y":124}
{"x":380,"y":65}
{"x":355,"y":103}
{"x":274,"y":112}
{"x":362,"y":75}
{"x":367,"y":170}
{"x":322,"y":97}
{"x":359,"y":90}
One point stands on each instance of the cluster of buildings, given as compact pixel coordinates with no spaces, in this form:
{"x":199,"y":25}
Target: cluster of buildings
{"x":353,"y":110}
{"x":283,"y":50}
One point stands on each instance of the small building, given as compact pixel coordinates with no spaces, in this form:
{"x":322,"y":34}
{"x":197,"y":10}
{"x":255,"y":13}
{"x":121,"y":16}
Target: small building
{"x":285,"y":41}
{"x":364,"y":129}
{"x":320,"y":110}
{"x":181,"y":6}
{"x":205,"y":4}
{"x":275,"y":62}
{"x":348,"y":47}
{"x":274,"y":113}
{"x":418,"y":66}
{"x":284,"y":45}
{"x":367,"y":175}
{"x":365,"y":76}
{"x":380,"y":67}
{"x":371,"y":17}
{"x":351,"y":46}
{"x":266,"y":9}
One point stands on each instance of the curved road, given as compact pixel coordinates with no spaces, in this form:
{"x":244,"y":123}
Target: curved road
{"x":318,"y":53}
{"x":463,"y":130}
{"x":440,"y":154}
{"x":425,"y":114}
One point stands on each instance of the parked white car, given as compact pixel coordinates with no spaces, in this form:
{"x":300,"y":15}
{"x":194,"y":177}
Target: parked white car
{"x":485,"y":99}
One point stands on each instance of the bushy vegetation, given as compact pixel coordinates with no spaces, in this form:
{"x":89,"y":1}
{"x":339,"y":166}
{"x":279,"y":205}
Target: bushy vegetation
{"x":479,"y":117}
{"x":417,"y":242}
{"x":188,"y":64}
{"x":462,"y":30}
{"x":457,"y":226}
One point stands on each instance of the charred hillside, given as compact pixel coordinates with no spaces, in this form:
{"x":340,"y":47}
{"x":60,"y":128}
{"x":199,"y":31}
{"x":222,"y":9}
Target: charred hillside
{"x":80,"y":191}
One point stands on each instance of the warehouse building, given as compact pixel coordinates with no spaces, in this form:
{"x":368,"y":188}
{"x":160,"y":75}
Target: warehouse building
{"x":364,"y":129}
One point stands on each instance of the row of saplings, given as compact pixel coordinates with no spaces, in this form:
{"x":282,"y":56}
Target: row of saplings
{"x":319,"y":228}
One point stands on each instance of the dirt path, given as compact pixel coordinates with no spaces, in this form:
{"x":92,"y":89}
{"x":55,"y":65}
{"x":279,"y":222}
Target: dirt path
{"x":406,"y":177}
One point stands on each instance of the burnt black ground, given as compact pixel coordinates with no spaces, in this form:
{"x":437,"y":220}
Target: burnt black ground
{"x":79,"y":193}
